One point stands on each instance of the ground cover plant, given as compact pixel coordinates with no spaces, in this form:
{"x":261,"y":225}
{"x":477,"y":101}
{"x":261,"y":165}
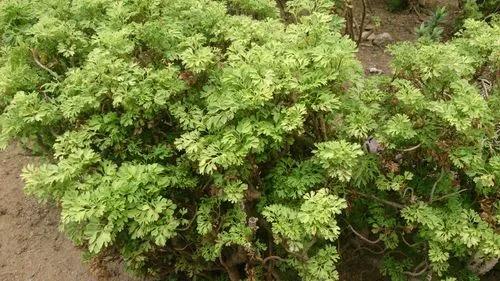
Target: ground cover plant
{"x":238,"y":139}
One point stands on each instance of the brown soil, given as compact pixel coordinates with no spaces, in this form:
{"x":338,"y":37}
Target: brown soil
{"x":31,"y":247}
{"x":400,"y":25}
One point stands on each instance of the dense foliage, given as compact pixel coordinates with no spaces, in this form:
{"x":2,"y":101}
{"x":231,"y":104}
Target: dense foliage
{"x":200,"y":137}
{"x":479,"y":8}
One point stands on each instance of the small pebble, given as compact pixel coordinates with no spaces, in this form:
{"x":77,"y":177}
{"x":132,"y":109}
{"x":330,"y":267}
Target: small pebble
{"x":374,"y":70}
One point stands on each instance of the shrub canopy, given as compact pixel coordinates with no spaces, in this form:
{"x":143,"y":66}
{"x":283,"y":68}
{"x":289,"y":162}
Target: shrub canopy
{"x":215,"y":139}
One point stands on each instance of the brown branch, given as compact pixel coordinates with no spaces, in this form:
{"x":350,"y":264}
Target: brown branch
{"x":407,"y":243}
{"x":416,"y":274}
{"x":411,"y":148}
{"x":371,"y":251}
{"x":349,"y":19}
{"x":272,"y":258}
{"x":361,"y":26}
{"x":362,"y":237}
{"x":183,"y":248}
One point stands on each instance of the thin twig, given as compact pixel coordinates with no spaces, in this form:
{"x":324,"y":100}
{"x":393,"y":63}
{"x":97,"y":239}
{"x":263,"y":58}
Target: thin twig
{"x":37,"y":61}
{"x":274,"y":258}
{"x":451,"y":194}
{"x":486,"y":87}
{"x":416,"y":274}
{"x":390,"y":203}
{"x":408,"y":244}
{"x":183,"y":248}
{"x":412,"y":192}
{"x":362,"y":237}
{"x":435,"y":184}
{"x":411,"y":148}
{"x":371,"y":251}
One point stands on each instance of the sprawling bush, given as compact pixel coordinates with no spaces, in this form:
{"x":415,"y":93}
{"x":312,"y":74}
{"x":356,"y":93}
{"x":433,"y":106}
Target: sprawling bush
{"x":213,"y":140}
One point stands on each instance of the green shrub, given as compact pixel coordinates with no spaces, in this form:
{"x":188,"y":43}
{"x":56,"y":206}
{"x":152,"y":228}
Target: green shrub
{"x":478,"y":9}
{"x":430,"y":29}
{"x":200,"y":138}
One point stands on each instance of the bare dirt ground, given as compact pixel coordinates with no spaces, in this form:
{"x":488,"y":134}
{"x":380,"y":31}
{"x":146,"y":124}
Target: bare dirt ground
{"x":31,"y":247}
{"x":400,"y":25}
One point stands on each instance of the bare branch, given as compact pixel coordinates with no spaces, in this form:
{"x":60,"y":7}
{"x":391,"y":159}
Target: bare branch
{"x":435,"y":184}
{"x":37,"y":61}
{"x":390,"y":203}
{"x":361,"y":26}
{"x":364,"y":238}
{"x":407,"y":243}
{"x":411,"y":148}
{"x":422,"y":271}
{"x":274,"y":258}
{"x":371,"y":251}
